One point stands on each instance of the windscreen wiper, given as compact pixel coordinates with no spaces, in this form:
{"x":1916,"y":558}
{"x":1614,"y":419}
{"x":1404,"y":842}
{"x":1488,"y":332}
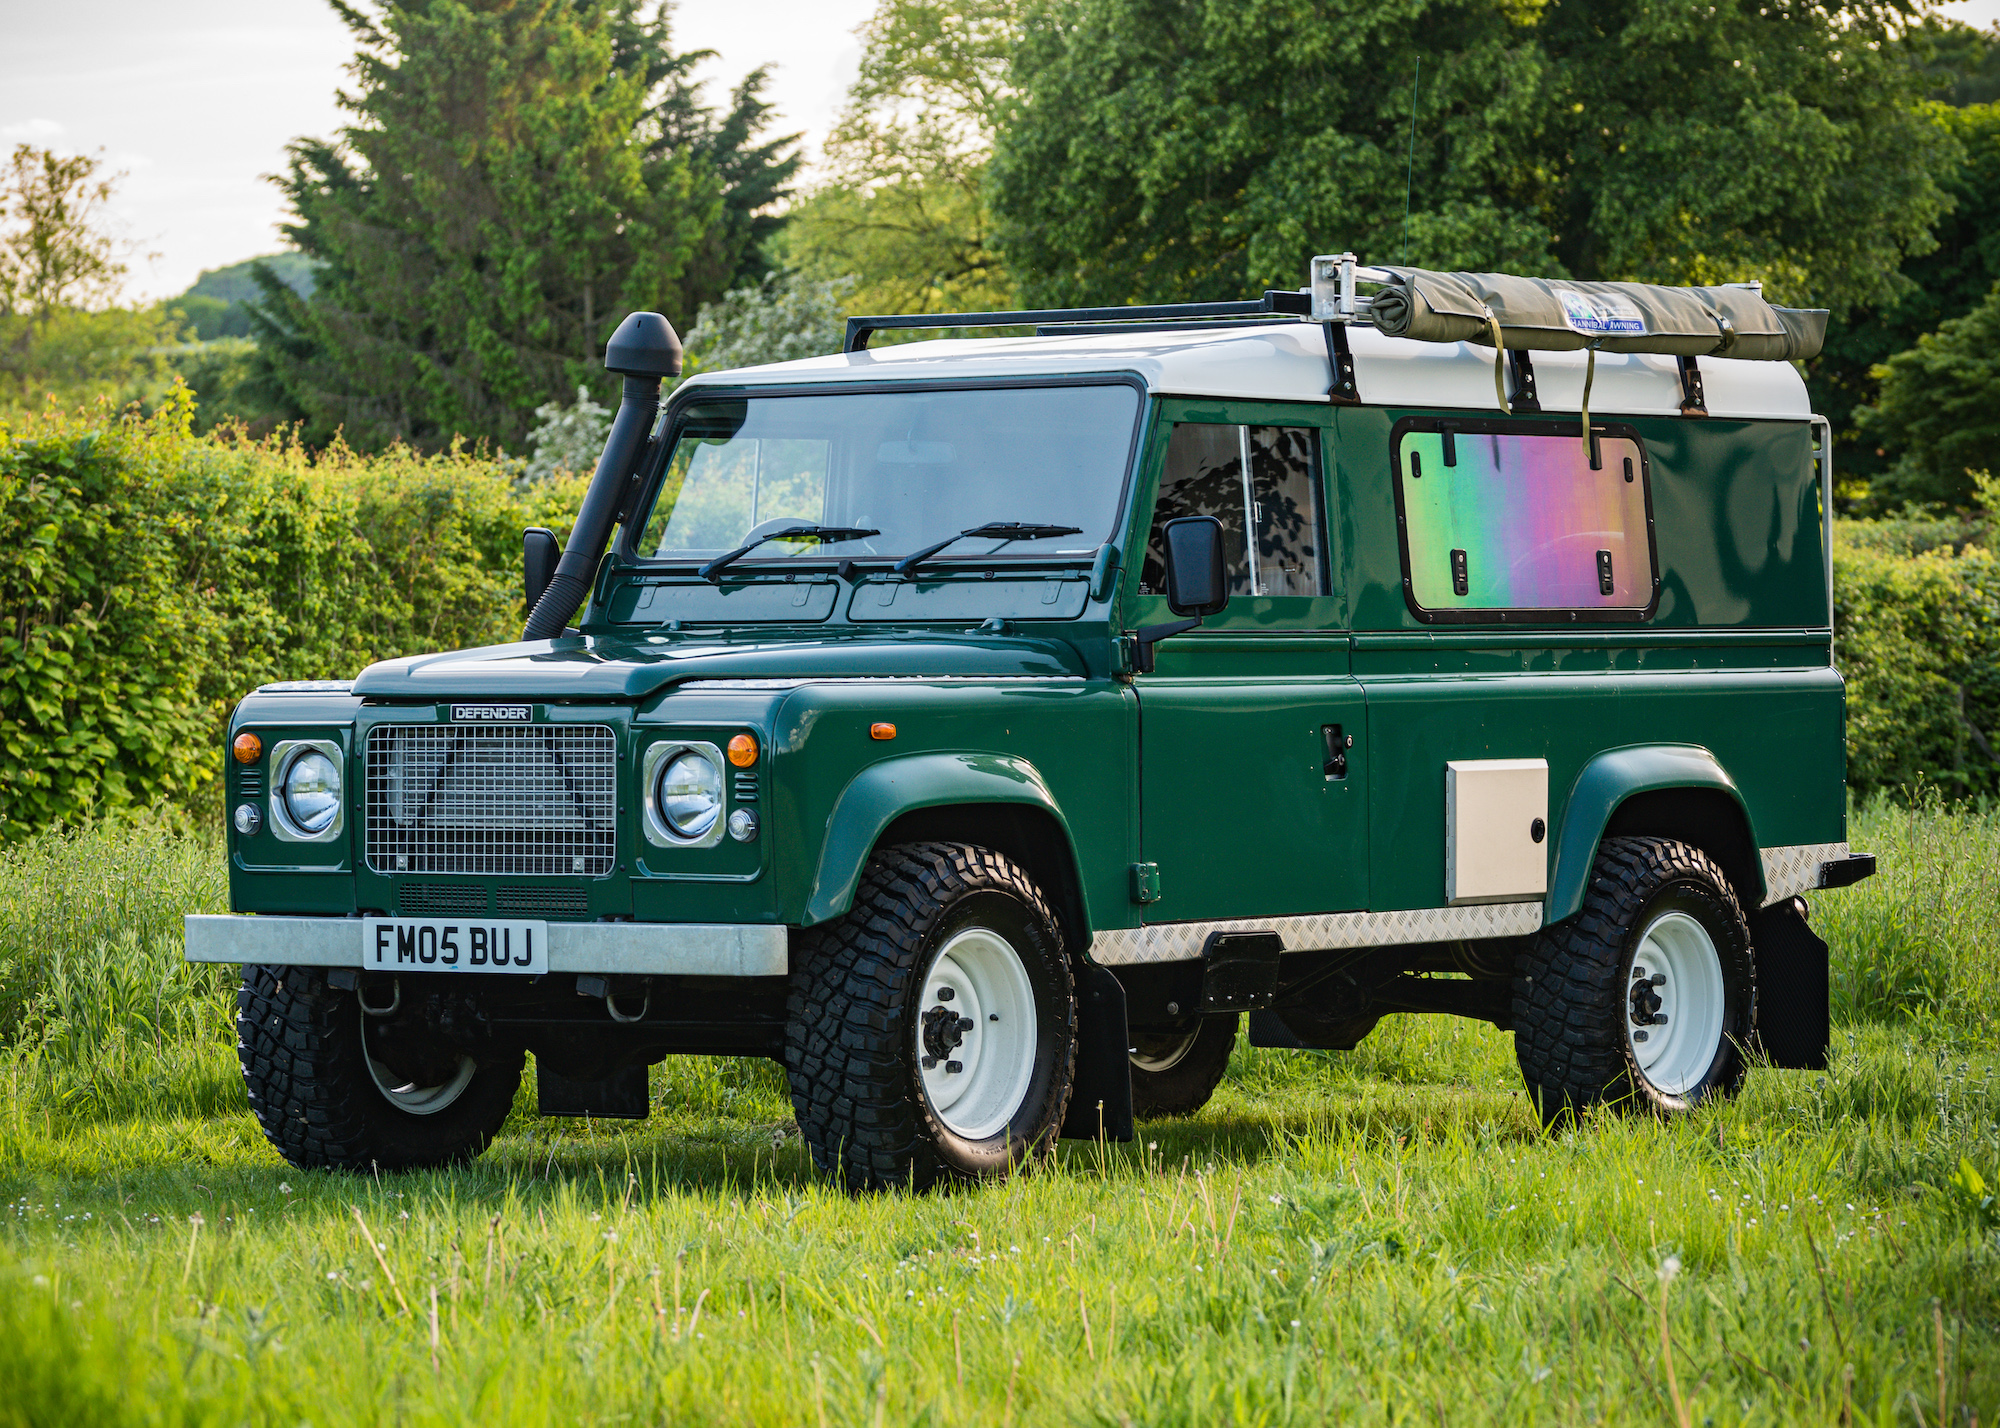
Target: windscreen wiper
{"x":824,"y":534}
{"x":993,"y":530}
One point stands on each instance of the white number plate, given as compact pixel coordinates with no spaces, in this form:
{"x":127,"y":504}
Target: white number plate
{"x":405,"y":944}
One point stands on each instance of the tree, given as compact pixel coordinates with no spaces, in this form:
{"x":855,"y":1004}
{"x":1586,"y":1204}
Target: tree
{"x":1177,"y":149}
{"x":1939,"y":410}
{"x":61,"y":272}
{"x":519,"y":175}
{"x":1947,"y":282}
{"x":904,"y":208}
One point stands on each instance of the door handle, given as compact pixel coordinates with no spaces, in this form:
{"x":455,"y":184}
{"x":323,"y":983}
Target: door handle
{"x":1336,"y":746}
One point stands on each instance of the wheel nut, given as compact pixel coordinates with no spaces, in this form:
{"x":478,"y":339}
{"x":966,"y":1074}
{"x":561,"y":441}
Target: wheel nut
{"x":930,"y":1063}
{"x":945,"y":994}
{"x":966,"y":1023}
{"x":1659,"y":979}
{"x":1638,"y":1036}
{"x":954,"y":1067}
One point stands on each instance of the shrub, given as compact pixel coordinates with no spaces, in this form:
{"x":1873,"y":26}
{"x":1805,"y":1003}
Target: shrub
{"x":149,"y":577}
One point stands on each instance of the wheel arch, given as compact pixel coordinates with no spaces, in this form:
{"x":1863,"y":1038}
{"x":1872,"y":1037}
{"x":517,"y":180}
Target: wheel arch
{"x":997,"y":801}
{"x":1678,"y":791}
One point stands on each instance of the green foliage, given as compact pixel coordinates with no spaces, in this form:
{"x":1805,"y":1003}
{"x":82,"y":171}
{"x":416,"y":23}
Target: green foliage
{"x":1938,"y":412}
{"x":149,"y":577}
{"x":786,"y":317}
{"x":1161,"y":151}
{"x":904,"y":208}
{"x":1917,"y":637}
{"x":1945,"y":283}
{"x":518,"y":177}
{"x":217,"y":305}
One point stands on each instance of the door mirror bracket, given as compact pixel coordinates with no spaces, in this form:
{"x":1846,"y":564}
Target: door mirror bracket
{"x":539,"y":554}
{"x":1197,"y":583}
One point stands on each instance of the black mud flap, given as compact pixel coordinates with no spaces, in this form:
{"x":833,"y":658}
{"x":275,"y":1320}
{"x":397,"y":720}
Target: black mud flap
{"x":1794,"y":1023}
{"x":621,"y":1096}
{"x":1100,"y":1098}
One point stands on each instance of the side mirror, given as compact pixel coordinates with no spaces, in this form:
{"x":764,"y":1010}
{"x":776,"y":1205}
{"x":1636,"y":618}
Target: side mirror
{"x":1197,"y":579}
{"x":539,"y":554}
{"x":1197,"y":583}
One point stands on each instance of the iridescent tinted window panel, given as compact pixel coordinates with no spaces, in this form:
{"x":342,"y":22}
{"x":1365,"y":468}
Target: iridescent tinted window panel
{"x":1515,"y":521}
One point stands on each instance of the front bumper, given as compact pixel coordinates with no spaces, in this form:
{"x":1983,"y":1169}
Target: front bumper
{"x":685,"y":949}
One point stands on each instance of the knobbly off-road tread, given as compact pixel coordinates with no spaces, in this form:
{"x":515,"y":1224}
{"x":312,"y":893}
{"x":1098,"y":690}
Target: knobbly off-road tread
{"x":1569,"y":1036}
{"x":846,"y":1056}
{"x":299,"y":1043}
{"x":1189,"y":1085}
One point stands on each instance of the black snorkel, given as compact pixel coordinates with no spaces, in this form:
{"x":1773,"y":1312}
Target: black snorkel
{"x":644,"y":351}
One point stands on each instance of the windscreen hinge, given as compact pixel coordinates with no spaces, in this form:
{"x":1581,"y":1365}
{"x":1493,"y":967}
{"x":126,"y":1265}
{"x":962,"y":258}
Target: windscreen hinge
{"x":1522,"y":398}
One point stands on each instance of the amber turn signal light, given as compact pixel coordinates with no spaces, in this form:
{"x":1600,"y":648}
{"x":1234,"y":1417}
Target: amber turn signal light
{"x":743,"y":750}
{"x":881,"y":731}
{"x":248,"y":748}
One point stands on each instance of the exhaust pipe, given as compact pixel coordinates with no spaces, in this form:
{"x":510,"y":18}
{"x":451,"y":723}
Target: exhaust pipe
{"x":644,"y":350}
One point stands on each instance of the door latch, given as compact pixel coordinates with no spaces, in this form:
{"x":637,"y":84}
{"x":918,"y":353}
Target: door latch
{"x":1337,"y":744}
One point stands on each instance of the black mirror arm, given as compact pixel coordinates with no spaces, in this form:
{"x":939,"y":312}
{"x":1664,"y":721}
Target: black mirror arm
{"x":1146,"y":636}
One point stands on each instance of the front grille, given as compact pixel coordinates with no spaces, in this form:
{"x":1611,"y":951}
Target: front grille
{"x":542,"y":902}
{"x":441,"y":900}
{"x":522,"y":800}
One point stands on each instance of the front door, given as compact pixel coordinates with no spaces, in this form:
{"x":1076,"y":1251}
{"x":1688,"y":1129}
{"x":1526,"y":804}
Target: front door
{"x":1253,"y":732}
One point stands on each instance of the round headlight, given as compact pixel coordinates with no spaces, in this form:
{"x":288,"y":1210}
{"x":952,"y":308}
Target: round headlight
{"x":312,"y":792}
{"x":690,"y":794}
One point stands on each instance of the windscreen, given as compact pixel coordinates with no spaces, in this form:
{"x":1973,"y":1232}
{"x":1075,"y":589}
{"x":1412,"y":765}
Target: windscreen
{"x":915,"y":466}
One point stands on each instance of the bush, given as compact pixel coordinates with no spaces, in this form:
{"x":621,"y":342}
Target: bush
{"x":1917,"y":636}
{"x":149,"y":577}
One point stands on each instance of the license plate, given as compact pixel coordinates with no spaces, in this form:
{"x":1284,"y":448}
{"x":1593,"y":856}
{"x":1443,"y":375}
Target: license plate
{"x":431,"y":944}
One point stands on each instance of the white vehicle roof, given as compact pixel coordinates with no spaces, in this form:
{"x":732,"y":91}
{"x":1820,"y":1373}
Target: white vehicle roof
{"x":1288,"y":362}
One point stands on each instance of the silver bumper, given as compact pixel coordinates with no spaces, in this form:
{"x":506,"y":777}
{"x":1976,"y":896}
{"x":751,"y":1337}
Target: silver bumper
{"x":685,"y":949}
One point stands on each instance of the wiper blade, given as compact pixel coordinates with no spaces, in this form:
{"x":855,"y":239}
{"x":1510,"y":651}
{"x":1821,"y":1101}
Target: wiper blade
{"x":993,"y":530}
{"x":823,"y":534}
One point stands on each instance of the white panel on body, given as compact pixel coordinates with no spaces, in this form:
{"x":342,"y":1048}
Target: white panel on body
{"x":1496,"y":828}
{"x":1795,"y":868}
{"x":1287,"y":362}
{"x":659,"y":948}
{"x":1319,"y":932}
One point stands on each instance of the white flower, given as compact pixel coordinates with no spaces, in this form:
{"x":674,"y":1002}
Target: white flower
{"x":1670,"y":1269}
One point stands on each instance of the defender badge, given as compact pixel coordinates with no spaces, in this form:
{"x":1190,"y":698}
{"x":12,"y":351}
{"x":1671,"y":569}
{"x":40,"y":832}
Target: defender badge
{"x":492,"y":714}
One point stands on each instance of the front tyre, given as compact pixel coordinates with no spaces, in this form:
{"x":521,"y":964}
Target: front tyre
{"x":931,"y":1032}
{"x":1646,"y":998}
{"x":328,"y":1100}
{"x":1174,"y":1073}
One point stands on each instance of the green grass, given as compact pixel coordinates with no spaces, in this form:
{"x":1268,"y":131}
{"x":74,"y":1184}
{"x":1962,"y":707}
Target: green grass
{"x":1379,"y":1235}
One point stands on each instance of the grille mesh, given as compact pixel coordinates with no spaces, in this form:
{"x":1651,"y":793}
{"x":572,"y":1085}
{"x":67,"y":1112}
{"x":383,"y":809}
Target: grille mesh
{"x":441,"y":899}
{"x":534,"y":800}
{"x":542,"y":902}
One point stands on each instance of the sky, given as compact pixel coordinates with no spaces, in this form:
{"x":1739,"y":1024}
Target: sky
{"x":195,"y":102}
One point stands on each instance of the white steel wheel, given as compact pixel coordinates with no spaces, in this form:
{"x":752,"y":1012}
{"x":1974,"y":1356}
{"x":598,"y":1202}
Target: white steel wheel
{"x":1158,"y":1054}
{"x":405,"y":1094}
{"x":1675,"y":1004}
{"x":976,"y":1033}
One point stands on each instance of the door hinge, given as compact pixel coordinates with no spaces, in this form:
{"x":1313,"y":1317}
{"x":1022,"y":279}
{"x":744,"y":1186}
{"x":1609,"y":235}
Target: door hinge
{"x":1145,"y":882}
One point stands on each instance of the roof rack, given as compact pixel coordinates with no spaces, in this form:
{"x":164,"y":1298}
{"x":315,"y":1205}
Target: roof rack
{"x":1277,"y":305}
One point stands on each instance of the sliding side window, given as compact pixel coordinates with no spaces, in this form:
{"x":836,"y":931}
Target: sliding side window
{"x":1278,"y":502}
{"x":1524,"y":522}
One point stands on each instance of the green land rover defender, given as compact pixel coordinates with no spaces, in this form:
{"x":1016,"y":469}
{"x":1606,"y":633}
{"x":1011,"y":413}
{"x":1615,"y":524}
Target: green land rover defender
{"x":984,"y":728}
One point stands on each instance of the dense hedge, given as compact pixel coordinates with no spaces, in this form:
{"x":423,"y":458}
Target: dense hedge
{"x":149,"y":576}
{"x":1917,"y":635}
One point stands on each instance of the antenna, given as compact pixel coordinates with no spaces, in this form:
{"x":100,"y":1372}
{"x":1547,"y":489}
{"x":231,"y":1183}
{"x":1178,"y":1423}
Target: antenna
{"x":1410,"y":168}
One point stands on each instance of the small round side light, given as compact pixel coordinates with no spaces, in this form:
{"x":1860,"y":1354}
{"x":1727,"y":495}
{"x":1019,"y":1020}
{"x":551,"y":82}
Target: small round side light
{"x":248,"y":748}
{"x":248,"y":819}
{"x":881,"y":731}
{"x":743,"y":750}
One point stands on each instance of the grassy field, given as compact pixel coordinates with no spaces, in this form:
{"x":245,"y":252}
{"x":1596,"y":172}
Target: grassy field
{"x":1381,"y":1234}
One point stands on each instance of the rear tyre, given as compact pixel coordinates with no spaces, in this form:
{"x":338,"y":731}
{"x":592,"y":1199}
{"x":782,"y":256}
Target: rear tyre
{"x":931,"y":1032}
{"x":329,"y":1100}
{"x":1647,"y":997}
{"x":1175,"y":1073}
